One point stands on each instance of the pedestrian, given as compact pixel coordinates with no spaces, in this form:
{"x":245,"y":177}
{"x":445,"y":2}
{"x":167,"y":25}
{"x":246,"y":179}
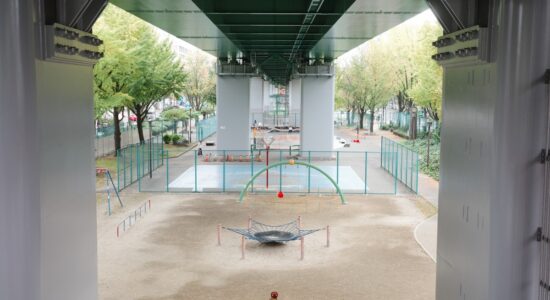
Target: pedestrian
{"x":199,"y":152}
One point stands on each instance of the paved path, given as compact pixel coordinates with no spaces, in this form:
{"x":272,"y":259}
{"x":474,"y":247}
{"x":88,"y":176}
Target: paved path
{"x":425,"y":232}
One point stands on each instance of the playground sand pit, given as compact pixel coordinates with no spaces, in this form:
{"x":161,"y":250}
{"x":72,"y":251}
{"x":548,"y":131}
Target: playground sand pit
{"x":172,"y":252}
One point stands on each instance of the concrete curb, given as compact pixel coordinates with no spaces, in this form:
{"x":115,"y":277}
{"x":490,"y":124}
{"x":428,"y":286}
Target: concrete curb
{"x":420,"y":243}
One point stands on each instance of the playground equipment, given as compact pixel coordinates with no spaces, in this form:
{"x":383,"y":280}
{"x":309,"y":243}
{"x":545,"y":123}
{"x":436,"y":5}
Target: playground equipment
{"x":291,"y":162}
{"x":110,"y":186}
{"x":138,"y":212}
{"x":273,"y":234}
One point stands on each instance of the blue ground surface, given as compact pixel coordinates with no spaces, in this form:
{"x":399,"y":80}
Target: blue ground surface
{"x":291,"y":179}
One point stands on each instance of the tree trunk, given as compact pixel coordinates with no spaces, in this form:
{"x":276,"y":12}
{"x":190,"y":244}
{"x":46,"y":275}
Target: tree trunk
{"x":361,"y":117}
{"x":140,"y":129}
{"x":371,"y":127}
{"x":348,"y":117}
{"x":117,"y":135}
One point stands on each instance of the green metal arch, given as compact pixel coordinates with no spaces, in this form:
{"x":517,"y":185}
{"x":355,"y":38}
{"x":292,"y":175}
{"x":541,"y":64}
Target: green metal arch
{"x":342,"y":199}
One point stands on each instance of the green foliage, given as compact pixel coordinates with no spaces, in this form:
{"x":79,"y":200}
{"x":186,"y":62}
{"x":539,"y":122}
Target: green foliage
{"x":366,"y":81}
{"x":137,"y":69}
{"x":421,"y":147}
{"x":174,"y":114}
{"x":427,"y":92}
{"x":398,"y":61}
{"x":200,"y":88}
{"x":176,"y":139}
{"x":167,"y":138}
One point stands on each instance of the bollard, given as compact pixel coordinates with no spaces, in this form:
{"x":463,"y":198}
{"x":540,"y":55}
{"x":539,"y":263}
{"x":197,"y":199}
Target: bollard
{"x":117,"y":231}
{"x":299,"y":222}
{"x":219,"y":235}
{"x":249,"y":222}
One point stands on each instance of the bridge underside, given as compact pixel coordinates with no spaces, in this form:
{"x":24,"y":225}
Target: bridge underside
{"x":493,"y":130}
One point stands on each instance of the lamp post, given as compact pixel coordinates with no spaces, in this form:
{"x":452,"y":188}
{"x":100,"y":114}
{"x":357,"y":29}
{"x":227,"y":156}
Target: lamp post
{"x":429,"y":121}
{"x":412,"y":126}
{"x":190,"y":120}
{"x":150,"y":148}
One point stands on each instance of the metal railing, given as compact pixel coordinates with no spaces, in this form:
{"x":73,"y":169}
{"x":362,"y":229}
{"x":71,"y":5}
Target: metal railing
{"x":138,"y":160}
{"x":206,"y":128}
{"x":229,"y":171}
{"x":400,"y":161}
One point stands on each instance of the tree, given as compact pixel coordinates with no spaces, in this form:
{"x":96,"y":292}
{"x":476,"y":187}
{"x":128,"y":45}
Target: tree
{"x":157,"y":75}
{"x":428,"y":90}
{"x":343,"y":100}
{"x":112,"y":73}
{"x":174,"y":115}
{"x":200,"y":88}
{"x":379,"y":83}
{"x":367,"y":81}
{"x":400,"y":48}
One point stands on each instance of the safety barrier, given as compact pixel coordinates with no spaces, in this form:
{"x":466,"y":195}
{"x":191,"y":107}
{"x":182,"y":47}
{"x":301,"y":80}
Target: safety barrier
{"x":206,"y":128}
{"x":401,"y":162}
{"x":139,"y":212}
{"x":229,"y":171}
{"x":138,"y":160}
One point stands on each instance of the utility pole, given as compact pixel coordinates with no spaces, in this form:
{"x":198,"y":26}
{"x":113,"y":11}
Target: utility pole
{"x":150,"y":149}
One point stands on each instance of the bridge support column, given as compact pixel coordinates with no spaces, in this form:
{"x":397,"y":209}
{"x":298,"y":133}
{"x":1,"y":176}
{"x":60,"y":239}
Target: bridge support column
{"x":232,"y":111}
{"x":47,"y":205}
{"x":256,"y":100}
{"x":295,"y":92}
{"x":19,"y":179}
{"x":491,"y":187}
{"x":317,"y":110}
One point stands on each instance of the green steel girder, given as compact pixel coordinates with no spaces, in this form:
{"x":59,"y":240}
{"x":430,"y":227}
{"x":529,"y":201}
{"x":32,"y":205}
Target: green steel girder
{"x":296,"y":31}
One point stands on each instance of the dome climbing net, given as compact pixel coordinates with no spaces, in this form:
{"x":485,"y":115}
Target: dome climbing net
{"x":264,"y":233}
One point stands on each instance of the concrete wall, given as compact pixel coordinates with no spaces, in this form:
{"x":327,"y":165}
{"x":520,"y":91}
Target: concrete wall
{"x":256,"y":100}
{"x":295,"y":92}
{"x":295,"y":99}
{"x":232,"y":111}
{"x":48,"y":247}
{"x":317,"y":114}
{"x":494,"y":123}
{"x":19,"y":176}
{"x":67,"y":181}
{"x":266,"y":94}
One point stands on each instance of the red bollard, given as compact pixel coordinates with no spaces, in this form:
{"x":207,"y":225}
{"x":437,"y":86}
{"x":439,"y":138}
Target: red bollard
{"x":274,"y":295}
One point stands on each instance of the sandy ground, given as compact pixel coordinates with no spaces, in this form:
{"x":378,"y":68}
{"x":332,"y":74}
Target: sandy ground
{"x":171,"y":253}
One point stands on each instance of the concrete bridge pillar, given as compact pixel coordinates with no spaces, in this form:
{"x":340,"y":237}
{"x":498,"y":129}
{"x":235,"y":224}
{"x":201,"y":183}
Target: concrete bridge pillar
{"x":317,"y":108}
{"x":233,"y":113}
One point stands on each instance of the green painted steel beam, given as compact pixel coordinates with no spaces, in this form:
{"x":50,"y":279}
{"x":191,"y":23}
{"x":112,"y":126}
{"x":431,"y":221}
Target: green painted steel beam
{"x":297,"y":30}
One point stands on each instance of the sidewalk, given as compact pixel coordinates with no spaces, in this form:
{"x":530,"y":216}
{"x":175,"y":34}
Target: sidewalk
{"x":425,"y":233}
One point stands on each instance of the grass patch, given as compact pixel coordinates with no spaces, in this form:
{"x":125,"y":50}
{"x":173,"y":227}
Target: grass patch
{"x":107,"y":162}
{"x":177,"y":150}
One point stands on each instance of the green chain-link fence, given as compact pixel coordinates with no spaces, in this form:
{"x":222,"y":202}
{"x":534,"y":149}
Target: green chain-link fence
{"x":401,"y":162}
{"x":206,"y":128}
{"x":138,"y":160}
